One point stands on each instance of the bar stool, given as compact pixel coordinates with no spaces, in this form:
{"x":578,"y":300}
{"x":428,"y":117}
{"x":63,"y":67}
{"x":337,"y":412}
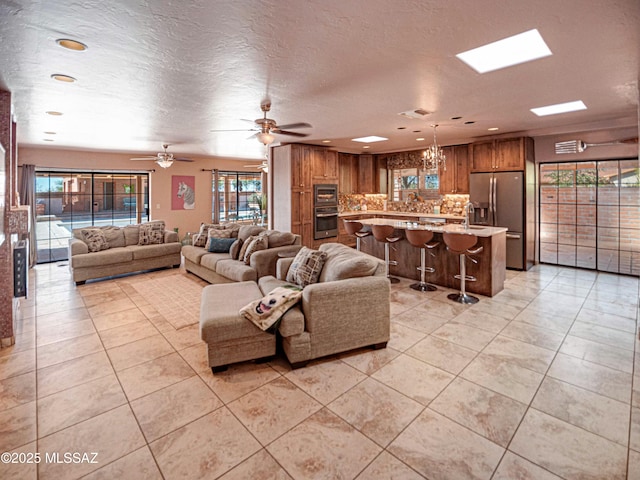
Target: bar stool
{"x":383,"y":233}
{"x":355,"y":228}
{"x":422,"y":240}
{"x":461,"y":244}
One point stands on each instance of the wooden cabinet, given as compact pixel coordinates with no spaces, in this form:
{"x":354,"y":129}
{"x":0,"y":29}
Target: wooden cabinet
{"x":366,"y":174}
{"x":382,"y":175}
{"x":455,"y":179}
{"x":296,"y":169}
{"x":347,"y":173}
{"x":324,"y":164}
{"x":501,"y":155}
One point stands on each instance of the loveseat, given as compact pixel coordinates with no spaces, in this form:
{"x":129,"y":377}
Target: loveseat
{"x":226,"y":266}
{"x":348,"y":307}
{"x":96,"y":252}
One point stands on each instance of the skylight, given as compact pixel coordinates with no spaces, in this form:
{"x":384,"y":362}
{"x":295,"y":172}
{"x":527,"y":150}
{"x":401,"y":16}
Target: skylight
{"x":507,"y":52}
{"x":559,"y":108}
{"x":370,"y":139}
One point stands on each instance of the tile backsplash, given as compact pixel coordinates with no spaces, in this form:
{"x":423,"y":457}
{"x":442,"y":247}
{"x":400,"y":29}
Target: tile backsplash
{"x":449,"y":204}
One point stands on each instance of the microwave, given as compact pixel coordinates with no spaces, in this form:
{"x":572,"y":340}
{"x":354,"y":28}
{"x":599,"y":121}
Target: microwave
{"x":325,"y":194}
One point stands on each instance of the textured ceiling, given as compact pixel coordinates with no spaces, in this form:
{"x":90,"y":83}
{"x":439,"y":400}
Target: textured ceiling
{"x":172,"y":71}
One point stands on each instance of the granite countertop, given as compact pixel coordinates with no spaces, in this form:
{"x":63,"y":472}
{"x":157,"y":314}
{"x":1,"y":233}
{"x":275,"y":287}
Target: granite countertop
{"x":389,"y":213}
{"x":477,"y":230}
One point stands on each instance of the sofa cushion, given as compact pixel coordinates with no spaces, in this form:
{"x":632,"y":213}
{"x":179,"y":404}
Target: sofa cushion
{"x":343,"y":262}
{"x":234,"y":249}
{"x":266,"y":312}
{"x":131,"y":234}
{"x":220,"y":245}
{"x":193,"y":254}
{"x":246,"y":231}
{"x":140,"y":252}
{"x":102,"y":258}
{"x":245,"y":244}
{"x":280,"y":239}
{"x":235,"y":270}
{"x":95,"y":239}
{"x":292,"y":322}
{"x":114,"y":235}
{"x":258,"y":243}
{"x":306,"y":267}
{"x":210,"y":260}
{"x":151,"y":233}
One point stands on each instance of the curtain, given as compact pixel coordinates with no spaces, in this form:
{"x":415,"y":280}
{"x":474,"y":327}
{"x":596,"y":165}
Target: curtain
{"x":28,"y":197}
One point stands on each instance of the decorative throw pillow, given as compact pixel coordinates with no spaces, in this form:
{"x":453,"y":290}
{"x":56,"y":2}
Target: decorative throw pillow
{"x":267,"y":312}
{"x":151,"y":233}
{"x":245,"y":244}
{"x":217,"y":233}
{"x":234,"y":249}
{"x":95,"y":239}
{"x":280,"y":239}
{"x":200,"y":238}
{"x":306,"y":267}
{"x":220,"y":245}
{"x":259,"y":243}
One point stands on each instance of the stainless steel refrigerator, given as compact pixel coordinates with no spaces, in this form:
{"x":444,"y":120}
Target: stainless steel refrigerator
{"x":498,"y":200}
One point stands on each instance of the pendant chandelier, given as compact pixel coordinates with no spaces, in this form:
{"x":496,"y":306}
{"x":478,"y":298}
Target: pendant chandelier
{"x":434,"y":157}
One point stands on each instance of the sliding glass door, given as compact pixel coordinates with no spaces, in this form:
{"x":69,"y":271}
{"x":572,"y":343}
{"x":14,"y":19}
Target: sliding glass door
{"x":68,"y":200}
{"x":590,"y":215}
{"x":239,"y":197}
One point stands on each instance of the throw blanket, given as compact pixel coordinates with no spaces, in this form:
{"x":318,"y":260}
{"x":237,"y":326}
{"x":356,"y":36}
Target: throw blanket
{"x":267,"y":312}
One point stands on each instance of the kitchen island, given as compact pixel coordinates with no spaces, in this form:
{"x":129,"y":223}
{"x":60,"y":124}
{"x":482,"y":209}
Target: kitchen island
{"x":490,"y":271}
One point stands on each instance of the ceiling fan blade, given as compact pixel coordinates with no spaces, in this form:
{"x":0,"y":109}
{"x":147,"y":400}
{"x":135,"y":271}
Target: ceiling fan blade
{"x":238,"y":130}
{"x":252,"y":136}
{"x":183,"y":159}
{"x":144,"y":158}
{"x":294,"y":125}
{"x":285,"y":132}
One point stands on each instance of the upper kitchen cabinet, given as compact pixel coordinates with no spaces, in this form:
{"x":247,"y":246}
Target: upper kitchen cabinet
{"x":382,"y":175}
{"x":347,"y":173}
{"x":324,"y":165}
{"x":455,"y":178}
{"x":367,"y":178}
{"x":501,"y":155}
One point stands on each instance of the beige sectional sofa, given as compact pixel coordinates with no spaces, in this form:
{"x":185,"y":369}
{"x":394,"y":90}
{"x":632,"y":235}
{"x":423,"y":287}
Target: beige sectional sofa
{"x":224,"y":268}
{"x":348,"y":308}
{"x":123,"y":252}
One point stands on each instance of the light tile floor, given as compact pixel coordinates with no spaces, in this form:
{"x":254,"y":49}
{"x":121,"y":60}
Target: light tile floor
{"x":538,"y":382}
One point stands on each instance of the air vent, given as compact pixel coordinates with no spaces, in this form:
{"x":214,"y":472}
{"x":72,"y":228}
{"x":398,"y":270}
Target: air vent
{"x":418,"y":113}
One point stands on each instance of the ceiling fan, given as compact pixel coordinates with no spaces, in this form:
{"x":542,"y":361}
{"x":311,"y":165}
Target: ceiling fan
{"x":164,"y":158}
{"x":264,"y":166}
{"x":266,"y":127}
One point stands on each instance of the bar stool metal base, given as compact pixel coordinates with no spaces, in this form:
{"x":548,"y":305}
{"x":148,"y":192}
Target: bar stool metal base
{"x":463,"y":298}
{"x":394,"y":279}
{"x":423,"y":287}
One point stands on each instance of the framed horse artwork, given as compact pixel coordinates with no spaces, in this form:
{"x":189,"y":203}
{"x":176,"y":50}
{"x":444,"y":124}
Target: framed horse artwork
{"x":183,"y":192}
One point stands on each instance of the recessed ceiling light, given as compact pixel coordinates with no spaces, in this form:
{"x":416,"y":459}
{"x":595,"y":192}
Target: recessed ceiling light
{"x":48,"y":139}
{"x":417,"y":131}
{"x":61,"y":77}
{"x":456,"y":118}
{"x":366,"y":146}
{"x":71,"y":44}
{"x":402,"y":128}
{"x":326,"y":141}
{"x":420,"y":139}
{"x":493,"y":129}
{"x":370,"y":139}
{"x":50,"y":133}
{"x":507,"y":52}
{"x":470,"y":122}
{"x":54,"y":113}
{"x":559,"y":108}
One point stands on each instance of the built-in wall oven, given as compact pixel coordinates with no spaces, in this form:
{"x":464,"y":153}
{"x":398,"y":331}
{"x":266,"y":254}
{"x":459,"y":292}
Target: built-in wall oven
{"x":325,"y":223}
